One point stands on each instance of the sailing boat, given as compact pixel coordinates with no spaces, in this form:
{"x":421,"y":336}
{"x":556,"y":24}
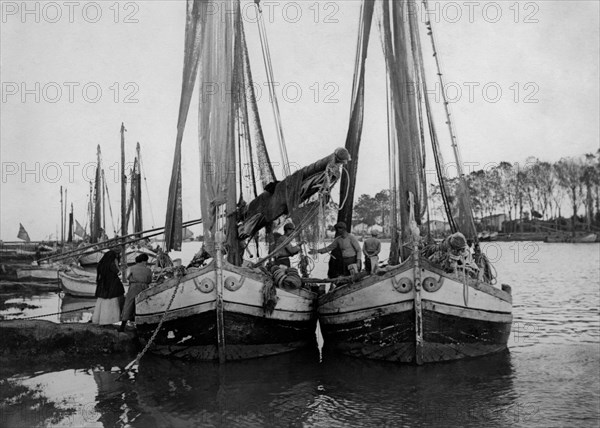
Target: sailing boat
{"x":416,"y":310}
{"x":228,"y":310}
{"x":80,"y":279}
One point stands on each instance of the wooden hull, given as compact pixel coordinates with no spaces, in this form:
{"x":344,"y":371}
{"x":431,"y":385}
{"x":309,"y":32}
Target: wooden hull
{"x":43,"y":273}
{"x":376,"y":317}
{"x":77,"y":285}
{"x":591,"y":237}
{"x":191,"y":326}
{"x":91,"y":259}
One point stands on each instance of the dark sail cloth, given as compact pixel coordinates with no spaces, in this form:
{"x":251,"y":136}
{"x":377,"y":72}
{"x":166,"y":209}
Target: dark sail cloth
{"x":336,"y":264}
{"x":139,"y":279}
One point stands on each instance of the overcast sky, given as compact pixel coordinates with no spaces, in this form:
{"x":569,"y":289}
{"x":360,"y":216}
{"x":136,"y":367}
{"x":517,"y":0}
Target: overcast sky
{"x":523,"y":77}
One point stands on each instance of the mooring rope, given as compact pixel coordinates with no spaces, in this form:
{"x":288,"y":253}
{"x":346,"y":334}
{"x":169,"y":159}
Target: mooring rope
{"x":162,"y":319}
{"x":48,"y":315}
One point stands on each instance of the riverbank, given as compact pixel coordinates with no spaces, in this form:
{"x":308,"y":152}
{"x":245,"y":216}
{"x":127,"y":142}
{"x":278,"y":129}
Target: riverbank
{"x":41,"y":340}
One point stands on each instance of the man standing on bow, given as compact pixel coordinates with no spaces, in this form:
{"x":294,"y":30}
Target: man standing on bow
{"x":371,"y":249}
{"x":348,"y":245}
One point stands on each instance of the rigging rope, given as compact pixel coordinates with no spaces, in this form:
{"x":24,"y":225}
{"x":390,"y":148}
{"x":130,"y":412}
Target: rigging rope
{"x":109,"y":205}
{"x":450,"y":123}
{"x":264,"y":42}
{"x":347,"y":189}
{"x":143,"y":171}
{"x":438,"y":161}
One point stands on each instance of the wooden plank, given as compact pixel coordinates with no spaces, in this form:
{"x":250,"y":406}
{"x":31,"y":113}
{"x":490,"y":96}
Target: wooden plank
{"x":473,"y":283}
{"x":467,"y":313}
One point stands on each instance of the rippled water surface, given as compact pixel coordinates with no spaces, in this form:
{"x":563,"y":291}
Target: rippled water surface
{"x":548,"y":378}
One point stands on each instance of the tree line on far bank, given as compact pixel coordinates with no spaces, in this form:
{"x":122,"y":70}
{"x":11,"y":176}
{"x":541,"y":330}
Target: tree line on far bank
{"x":534,"y":189}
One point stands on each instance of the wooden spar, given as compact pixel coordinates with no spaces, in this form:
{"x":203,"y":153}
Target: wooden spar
{"x":115,"y":242}
{"x":96,"y":217}
{"x":123,"y":203}
{"x":65,"y":219}
{"x":62,"y":223}
{"x":219,"y":238}
{"x":103,"y":185}
{"x":70,"y":234}
{"x":91,"y":210}
{"x":138,"y":196}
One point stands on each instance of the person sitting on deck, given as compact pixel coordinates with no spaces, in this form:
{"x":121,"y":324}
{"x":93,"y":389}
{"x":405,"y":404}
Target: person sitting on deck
{"x":162,"y":259}
{"x":453,"y":254}
{"x":371,"y":249}
{"x":139,"y":277}
{"x":348,"y":246}
{"x":200,"y":258}
{"x":283,"y":254}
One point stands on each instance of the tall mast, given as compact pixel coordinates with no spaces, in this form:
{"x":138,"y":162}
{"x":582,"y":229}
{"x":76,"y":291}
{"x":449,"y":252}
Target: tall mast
{"x":70,"y":235}
{"x":62,"y":224}
{"x":97,"y":216}
{"x":65,"y":218}
{"x":123,"y":203}
{"x":138,"y":189}
{"x":91,"y":211}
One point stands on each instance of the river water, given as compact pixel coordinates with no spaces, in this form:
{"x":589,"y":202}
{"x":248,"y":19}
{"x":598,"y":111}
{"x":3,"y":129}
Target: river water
{"x":548,"y":378}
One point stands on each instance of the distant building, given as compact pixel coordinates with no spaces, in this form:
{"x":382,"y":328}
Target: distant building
{"x":493,"y":223}
{"x":438,"y":228}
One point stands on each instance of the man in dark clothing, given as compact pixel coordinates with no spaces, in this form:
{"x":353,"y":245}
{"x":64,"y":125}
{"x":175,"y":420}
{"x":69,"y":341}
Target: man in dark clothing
{"x":371,"y":249}
{"x":282,"y":256}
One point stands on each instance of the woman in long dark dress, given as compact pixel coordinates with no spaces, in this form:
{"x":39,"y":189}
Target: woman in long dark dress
{"x":109,"y":290}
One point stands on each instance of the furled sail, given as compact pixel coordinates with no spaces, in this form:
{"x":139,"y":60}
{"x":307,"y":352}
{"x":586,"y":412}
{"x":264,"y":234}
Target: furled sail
{"x":396,"y":40}
{"x":253,"y":122}
{"x":216,"y":121}
{"x":356,"y":114}
{"x":196,"y":12}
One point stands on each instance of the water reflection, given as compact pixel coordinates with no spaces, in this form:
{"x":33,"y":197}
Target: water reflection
{"x":372,"y":393}
{"x":75,"y":309}
{"x":295,"y":389}
{"x":267,"y":391}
